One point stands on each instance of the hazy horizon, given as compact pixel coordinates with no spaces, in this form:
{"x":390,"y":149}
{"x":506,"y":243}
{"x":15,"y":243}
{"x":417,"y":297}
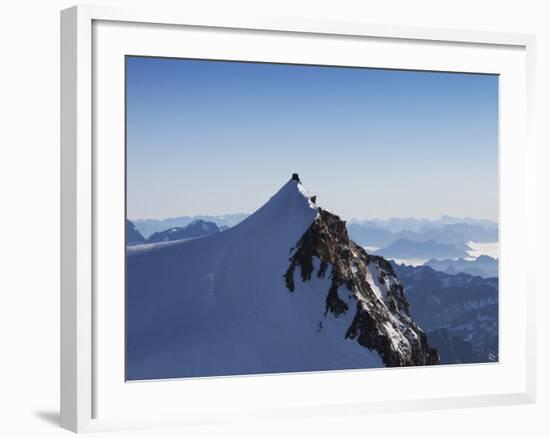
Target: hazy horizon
{"x":435,"y":218}
{"x":215,"y":138}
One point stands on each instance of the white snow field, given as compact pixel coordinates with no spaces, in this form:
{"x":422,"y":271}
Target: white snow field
{"x":219,"y":305}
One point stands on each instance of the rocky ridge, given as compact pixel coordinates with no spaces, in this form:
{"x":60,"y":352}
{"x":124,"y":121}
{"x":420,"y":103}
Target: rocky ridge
{"x":382,"y":320}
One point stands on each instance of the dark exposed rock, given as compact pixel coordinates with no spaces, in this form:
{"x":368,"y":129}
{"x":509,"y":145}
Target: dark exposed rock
{"x":380,"y":323}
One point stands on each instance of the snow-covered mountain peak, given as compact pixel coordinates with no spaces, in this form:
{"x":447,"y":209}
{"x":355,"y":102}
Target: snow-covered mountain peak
{"x":292,"y":208}
{"x":293,"y":195}
{"x":284,"y":290}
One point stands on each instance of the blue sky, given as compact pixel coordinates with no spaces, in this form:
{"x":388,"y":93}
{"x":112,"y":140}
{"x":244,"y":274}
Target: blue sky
{"x":210,"y":137}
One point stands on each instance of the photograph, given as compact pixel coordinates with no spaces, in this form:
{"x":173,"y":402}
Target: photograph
{"x":291,"y":218}
{"x":276,"y":219}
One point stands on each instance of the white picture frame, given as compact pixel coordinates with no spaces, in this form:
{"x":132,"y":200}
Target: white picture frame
{"x":82,"y":223}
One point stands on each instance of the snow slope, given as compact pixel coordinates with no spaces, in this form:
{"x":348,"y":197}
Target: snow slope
{"x":219,"y":305}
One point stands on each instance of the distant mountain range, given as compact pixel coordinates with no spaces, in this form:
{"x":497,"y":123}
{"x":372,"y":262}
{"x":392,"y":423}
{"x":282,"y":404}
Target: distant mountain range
{"x":149,"y":226}
{"x":133,"y":236}
{"x":483,"y":266}
{"x":458,"y":312}
{"x":197,"y":228}
{"x":415,"y":224}
{"x":370,"y":234}
{"x":408,"y":249}
{"x":373,"y":234}
{"x":397,"y":238}
{"x":423,"y":239}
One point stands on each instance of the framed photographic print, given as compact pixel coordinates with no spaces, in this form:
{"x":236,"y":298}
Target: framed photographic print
{"x":252,"y":209}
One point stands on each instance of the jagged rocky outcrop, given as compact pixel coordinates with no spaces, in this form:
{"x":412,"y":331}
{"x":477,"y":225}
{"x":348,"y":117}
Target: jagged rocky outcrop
{"x":381,"y":319}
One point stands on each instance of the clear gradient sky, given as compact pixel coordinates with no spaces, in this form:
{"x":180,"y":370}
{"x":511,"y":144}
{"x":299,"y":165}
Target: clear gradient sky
{"x":210,"y":137}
